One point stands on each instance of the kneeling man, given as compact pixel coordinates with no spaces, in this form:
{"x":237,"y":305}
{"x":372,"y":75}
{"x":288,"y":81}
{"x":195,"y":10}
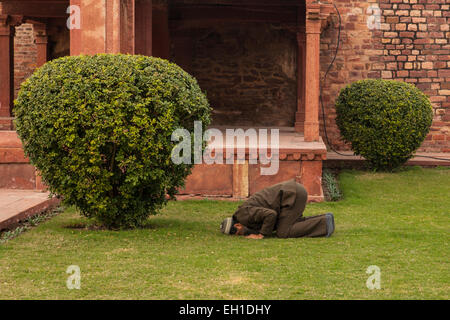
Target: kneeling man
{"x":278,"y":208}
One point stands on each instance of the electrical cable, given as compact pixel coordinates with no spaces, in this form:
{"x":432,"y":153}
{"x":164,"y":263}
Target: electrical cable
{"x":324,"y":80}
{"x":321,"y":92}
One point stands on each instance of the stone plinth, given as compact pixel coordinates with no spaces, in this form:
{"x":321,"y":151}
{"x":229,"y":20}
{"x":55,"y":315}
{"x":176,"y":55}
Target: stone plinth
{"x":297,"y":159}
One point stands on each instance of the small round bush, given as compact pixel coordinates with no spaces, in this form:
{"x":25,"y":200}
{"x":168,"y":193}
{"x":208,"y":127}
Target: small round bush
{"x":385,"y":121}
{"x":99,"y":129}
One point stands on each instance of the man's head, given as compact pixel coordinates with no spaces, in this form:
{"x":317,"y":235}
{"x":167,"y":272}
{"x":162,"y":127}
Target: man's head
{"x":231,"y":226}
{"x":227,"y":226}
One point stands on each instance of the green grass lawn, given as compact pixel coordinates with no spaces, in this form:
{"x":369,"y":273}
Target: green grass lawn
{"x":399,"y":222}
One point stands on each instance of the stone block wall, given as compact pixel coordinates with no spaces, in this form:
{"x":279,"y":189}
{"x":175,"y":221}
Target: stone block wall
{"x":248,"y":72}
{"x":410,"y":44}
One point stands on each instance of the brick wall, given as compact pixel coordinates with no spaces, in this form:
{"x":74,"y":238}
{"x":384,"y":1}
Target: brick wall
{"x":24,"y":54}
{"x":412,"y":45}
{"x":25,"y":49}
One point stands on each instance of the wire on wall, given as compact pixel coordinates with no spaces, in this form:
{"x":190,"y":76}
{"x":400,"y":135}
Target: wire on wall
{"x":321,"y":92}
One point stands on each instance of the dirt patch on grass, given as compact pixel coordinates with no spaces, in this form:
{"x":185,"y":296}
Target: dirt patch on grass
{"x":95,"y":226}
{"x":85,"y":226}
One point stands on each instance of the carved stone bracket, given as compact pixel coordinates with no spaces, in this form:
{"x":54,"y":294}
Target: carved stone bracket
{"x":319,"y":12}
{"x":283,"y":155}
{"x":7,"y":24}
{"x":40,"y":29}
{"x":11,"y":20}
{"x":313,"y":11}
{"x":41,"y":41}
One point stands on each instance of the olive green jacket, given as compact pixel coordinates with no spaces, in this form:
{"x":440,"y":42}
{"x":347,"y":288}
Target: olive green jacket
{"x":261,"y":210}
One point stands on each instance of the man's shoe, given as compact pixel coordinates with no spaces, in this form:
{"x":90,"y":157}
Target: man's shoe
{"x":329,"y":218}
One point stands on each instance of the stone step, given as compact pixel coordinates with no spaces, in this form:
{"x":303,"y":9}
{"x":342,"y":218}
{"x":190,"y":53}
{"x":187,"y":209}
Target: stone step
{"x":347,"y":159}
{"x":18,"y":205}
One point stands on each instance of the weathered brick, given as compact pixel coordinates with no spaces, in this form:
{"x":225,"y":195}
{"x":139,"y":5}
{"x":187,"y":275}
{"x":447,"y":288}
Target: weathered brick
{"x":423,"y":27}
{"x":412,"y":27}
{"x":403,"y":73}
{"x":402,"y":13}
{"x":407,"y":34}
{"x":427,"y":65}
{"x":444,"y":27}
{"x":386,"y":74}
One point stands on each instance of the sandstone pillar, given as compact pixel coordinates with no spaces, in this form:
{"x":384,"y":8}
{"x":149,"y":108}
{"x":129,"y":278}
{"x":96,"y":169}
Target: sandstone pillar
{"x":105,"y":27}
{"x":6,"y":72}
{"x":74,"y":24}
{"x":301,"y":64}
{"x":312,"y":76}
{"x":311,"y":178}
{"x":144,"y":27}
{"x":41,"y":41}
{"x":240,"y":179}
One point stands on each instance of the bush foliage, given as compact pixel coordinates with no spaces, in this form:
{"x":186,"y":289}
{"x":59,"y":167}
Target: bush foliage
{"x":385,"y":121}
{"x":99,"y":130}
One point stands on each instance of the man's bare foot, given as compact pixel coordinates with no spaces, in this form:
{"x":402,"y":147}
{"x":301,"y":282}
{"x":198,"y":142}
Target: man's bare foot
{"x":255,"y":236}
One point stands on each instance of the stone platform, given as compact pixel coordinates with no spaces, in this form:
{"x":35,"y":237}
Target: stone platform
{"x":347,"y":159}
{"x":298,"y":159}
{"x":18,"y":205}
{"x":16,"y":172}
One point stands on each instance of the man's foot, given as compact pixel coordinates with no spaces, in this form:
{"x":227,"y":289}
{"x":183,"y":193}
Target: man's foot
{"x":329,"y":218}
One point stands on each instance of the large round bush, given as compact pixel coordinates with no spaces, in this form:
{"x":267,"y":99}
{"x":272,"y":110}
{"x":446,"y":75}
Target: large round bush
{"x":99,"y":130}
{"x":385,"y":121}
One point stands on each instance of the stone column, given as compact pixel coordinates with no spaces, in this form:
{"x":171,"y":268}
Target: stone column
{"x":105,"y":27}
{"x":119,"y":26}
{"x":144,"y":27}
{"x":6,"y":72}
{"x":240,"y":179}
{"x":74,"y":23}
{"x":301,"y":64}
{"x":127,"y":26}
{"x":312,"y":76}
{"x":41,"y":41}
{"x":311,"y":178}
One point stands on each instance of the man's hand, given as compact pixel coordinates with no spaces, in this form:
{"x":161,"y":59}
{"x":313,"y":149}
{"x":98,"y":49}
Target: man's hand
{"x":255,"y":236}
{"x":240,"y":229}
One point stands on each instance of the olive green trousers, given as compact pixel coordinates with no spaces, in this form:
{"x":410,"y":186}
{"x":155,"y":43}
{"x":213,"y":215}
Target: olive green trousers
{"x":292,"y":224}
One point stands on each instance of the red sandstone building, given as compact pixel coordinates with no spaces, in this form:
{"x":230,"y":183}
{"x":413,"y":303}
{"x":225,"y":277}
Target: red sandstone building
{"x":260,"y":62}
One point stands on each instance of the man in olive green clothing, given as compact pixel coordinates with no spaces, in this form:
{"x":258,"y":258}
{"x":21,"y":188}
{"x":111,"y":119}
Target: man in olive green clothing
{"x":278,"y":208}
